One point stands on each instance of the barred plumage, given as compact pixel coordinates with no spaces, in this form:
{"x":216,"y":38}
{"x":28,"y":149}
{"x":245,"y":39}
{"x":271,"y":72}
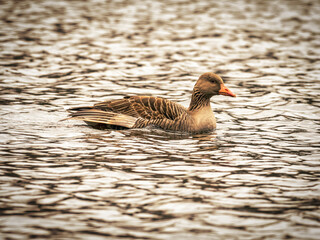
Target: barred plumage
{"x":143,"y":111}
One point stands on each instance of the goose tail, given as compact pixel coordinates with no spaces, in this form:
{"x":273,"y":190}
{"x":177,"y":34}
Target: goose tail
{"x":108,"y":118}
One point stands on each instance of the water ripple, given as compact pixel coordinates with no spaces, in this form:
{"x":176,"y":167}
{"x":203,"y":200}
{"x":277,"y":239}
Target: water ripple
{"x":255,"y":177}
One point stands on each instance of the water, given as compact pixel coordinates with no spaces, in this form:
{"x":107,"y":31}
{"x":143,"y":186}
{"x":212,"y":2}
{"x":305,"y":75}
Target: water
{"x":255,"y":177}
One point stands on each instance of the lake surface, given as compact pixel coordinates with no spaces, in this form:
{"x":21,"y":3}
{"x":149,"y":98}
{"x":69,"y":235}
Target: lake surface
{"x":255,"y":177}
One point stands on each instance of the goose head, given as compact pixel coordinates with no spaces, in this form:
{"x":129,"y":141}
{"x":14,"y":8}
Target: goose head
{"x":211,"y":84}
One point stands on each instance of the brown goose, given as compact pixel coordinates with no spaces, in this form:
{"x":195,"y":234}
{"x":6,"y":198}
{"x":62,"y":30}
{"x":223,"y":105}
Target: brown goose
{"x":143,"y":111}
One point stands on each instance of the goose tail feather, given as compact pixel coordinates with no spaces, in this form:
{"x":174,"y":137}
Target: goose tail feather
{"x":103,"y":117}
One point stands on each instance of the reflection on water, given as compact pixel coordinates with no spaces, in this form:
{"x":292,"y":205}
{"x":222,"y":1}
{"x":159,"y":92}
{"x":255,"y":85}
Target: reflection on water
{"x":255,"y":177}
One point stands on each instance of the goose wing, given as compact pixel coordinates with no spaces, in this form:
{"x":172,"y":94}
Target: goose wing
{"x":144,"y":107}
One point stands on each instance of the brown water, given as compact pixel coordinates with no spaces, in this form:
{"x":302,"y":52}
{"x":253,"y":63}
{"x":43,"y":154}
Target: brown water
{"x":255,"y":177}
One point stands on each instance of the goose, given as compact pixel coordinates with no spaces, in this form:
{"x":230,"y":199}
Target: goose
{"x":143,"y":111}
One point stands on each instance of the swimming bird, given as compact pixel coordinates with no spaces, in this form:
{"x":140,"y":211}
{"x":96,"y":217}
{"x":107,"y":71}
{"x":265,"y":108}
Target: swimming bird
{"x":144,"y":111}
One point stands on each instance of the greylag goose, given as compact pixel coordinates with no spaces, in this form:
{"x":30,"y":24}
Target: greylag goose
{"x":143,"y":111}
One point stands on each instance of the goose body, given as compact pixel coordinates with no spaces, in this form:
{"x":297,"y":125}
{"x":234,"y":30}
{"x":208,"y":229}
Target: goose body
{"x":144,"y":111}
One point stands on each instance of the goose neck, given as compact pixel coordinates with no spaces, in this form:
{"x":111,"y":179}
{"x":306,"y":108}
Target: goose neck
{"x":199,"y":100}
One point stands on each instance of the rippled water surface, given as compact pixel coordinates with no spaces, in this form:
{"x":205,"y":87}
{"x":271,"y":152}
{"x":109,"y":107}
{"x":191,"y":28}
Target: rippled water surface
{"x":255,"y":177}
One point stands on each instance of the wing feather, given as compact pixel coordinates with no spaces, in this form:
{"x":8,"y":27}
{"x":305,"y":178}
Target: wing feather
{"x":144,"y":107}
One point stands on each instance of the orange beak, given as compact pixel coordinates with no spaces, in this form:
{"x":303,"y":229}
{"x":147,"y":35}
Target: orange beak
{"x":225,"y":91}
